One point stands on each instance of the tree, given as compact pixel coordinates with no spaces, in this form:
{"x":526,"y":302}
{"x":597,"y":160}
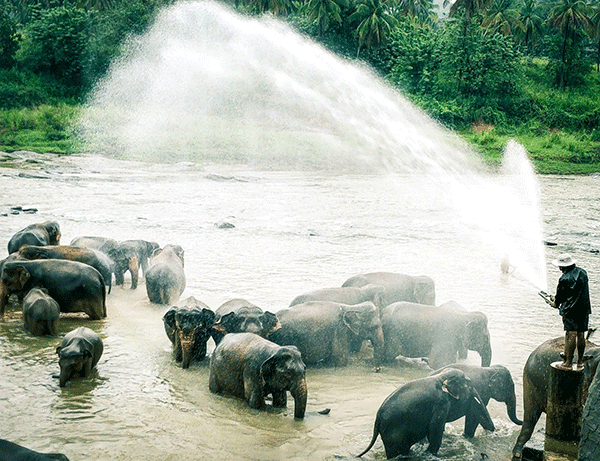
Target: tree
{"x":533,"y":24}
{"x":9,"y":38}
{"x":375,"y":22}
{"x":595,"y":30}
{"x":570,"y":18}
{"x":324,"y":13}
{"x":502,"y":17}
{"x":418,"y":10}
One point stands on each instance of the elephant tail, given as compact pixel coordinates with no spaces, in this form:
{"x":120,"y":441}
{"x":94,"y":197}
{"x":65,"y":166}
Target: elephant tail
{"x":375,"y":434}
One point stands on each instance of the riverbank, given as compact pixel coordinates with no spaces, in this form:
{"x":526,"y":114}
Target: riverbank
{"x":48,"y":129}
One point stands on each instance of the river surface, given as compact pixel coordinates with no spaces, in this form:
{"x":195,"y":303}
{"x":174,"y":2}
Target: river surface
{"x":294,"y":232}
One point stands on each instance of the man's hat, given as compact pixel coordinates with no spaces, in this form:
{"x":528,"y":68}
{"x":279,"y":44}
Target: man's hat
{"x":564,"y":260}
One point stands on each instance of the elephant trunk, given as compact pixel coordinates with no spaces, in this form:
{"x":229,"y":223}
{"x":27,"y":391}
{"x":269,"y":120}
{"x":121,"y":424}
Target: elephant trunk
{"x":378,"y":347}
{"x":66,"y":372}
{"x":511,"y":410}
{"x":299,"y":393}
{"x":186,"y":339}
{"x":485,"y":351}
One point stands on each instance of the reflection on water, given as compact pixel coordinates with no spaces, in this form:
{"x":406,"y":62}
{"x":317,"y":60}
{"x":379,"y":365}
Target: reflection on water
{"x":294,"y":232}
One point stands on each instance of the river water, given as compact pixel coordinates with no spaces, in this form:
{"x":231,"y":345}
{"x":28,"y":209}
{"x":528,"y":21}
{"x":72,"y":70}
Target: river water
{"x":294,"y":232}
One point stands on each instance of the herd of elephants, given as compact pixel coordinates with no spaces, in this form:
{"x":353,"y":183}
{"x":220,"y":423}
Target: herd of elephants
{"x":260,"y":353}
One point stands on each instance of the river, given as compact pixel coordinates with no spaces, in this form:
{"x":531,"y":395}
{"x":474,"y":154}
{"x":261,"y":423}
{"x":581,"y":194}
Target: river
{"x":294,"y":232}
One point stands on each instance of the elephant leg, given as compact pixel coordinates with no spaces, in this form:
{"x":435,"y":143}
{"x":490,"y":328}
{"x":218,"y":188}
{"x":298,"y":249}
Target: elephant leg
{"x":530,"y":419}
{"x":253,"y":393}
{"x":471,"y":423}
{"x":340,"y":348}
{"x":279,"y":399}
{"x":395,"y":441}
{"x":435,"y":431}
{"x":134,"y":271}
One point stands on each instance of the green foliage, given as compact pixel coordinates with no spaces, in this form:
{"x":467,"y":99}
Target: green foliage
{"x":9,"y":37}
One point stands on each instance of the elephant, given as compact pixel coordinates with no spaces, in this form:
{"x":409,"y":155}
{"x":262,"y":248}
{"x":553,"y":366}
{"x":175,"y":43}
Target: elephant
{"x":98,"y":260}
{"x":398,"y":287}
{"x":10,"y":451}
{"x":103,"y":244}
{"x":78,"y":354}
{"x":165,"y":279}
{"x":536,"y":374}
{"x":40,"y":313}
{"x":418,"y":330}
{"x":344,"y":295}
{"x":40,"y":234}
{"x":189,"y":327}
{"x":75,"y":286}
{"x":130,"y":255}
{"x":420,"y":408}
{"x":250,"y":367}
{"x":323,"y":330}
{"x":493,"y":382}
{"x":240,"y":316}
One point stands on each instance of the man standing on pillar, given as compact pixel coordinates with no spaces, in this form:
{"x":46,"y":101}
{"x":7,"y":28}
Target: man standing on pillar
{"x":573,"y":302}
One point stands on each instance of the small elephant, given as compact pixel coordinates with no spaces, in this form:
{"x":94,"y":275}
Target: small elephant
{"x":345,"y":295}
{"x":75,"y":286}
{"x":189,"y":327}
{"x":323,"y":331}
{"x":40,"y":313}
{"x":420,"y":409}
{"x":98,"y":260}
{"x":10,"y":451}
{"x":419,"y":330}
{"x":130,"y":255}
{"x":165,"y":279}
{"x":240,"y":316}
{"x":398,"y":287}
{"x":78,"y":354}
{"x":494,"y":382}
{"x":46,"y":233}
{"x":536,"y":374}
{"x":250,"y":367}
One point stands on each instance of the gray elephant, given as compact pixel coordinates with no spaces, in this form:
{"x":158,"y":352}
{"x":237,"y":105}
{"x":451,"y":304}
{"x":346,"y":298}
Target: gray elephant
{"x":250,"y":367}
{"x":189,"y":327}
{"x":130,"y":255}
{"x":494,"y":382}
{"x":398,"y":287}
{"x":98,"y":260}
{"x":420,"y":409}
{"x":40,"y":313}
{"x":241,"y":316}
{"x":536,"y":374}
{"x":40,"y":234}
{"x":78,"y":354}
{"x":10,"y":451}
{"x":103,"y":244}
{"x":418,"y":330}
{"x":165,"y":279}
{"x":323,"y":331}
{"x":76,"y":287}
{"x":344,"y":295}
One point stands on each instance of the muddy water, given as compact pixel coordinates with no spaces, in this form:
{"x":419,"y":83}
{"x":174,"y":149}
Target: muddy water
{"x":294,"y":232}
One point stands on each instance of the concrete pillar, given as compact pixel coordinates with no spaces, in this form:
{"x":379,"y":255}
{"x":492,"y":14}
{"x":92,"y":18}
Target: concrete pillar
{"x":563,"y":410}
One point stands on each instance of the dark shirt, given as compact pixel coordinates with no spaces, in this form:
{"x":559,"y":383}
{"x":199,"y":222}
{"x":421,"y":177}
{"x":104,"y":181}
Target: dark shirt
{"x":573,"y":294}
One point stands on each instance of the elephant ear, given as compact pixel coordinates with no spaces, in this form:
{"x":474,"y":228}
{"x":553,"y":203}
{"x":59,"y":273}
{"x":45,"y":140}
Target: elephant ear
{"x":270,"y":323}
{"x":351,"y":319}
{"x":447,"y":387}
{"x":22,"y":275}
{"x":276,"y":364}
{"x":229,"y":323}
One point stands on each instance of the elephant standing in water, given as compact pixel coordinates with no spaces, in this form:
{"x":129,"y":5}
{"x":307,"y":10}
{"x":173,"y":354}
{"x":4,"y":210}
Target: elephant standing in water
{"x":344,"y":295}
{"x":189,"y":327}
{"x":98,"y":260}
{"x":398,"y":287}
{"x":130,"y":255}
{"x":165,"y":279}
{"x":78,"y":354}
{"x":323,"y":331}
{"x":76,"y":287}
{"x":494,"y":382}
{"x":418,"y":330}
{"x":420,"y":409}
{"x":10,"y":451}
{"x":46,"y":233}
{"x":536,"y":374}
{"x":240,"y":316}
{"x":250,"y":367}
{"x":40,"y":313}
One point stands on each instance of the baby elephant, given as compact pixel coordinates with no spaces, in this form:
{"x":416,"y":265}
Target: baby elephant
{"x":250,"y":367}
{"x":420,"y":409}
{"x":13,"y":452}
{"x":189,"y":327}
{"x":40,"y":312}
{"x":78,"y":354}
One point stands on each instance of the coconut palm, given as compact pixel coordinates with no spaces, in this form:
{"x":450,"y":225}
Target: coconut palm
{"x":533,"y":23}
{"x":503,"y":18}
{"x":595,"y":31}
{"x":418,"y":10}
{"x":375,"y":22}
{"x":324,"y":12}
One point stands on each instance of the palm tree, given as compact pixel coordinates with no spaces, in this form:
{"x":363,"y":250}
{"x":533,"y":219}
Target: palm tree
{"x":569,"y":16}
{"x":533,"y":23}
{"x":502,"y":18}
{"x":417,"y":10}
{"x":595,"y":32}
{"x":324,"y":12}
{"x":375,"y":22}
